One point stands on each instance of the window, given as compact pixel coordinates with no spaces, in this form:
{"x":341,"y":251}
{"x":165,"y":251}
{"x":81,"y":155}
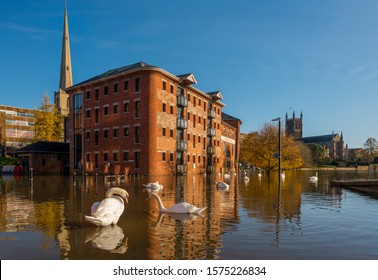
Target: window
{"x":163,"y":132}
{"x":137,"y":109}
{"x":194,"y":159}
{"x":88,"y":113}
{"x":194,"y":120}
{"x":88,"y":95}
{"x":126,"y":85}
{"x":126,"y":107}
{"x":115,"y":88}
{"x":194,"y":101}
{"x":115,"y":156}
{"x":106,"y":133}
{"x":188,"y":158}
{"x":106,"y":90}
{"x":171,"y":133}
{"x":96,"y":160}
{"x":115,"y":132}
{"x":164,"y":85}
{"x":137,"y":84}
{"x":96,"y":115}
{"x":96,"y":138}
{"x":106,"y":110}
{"x":137,"y":134}
{"x":171,"y":88}
{"x":125,"y":131}
{"x":115,"y":108}
{"x":171,"y":110}
{"x":194,"y":141}
{"x":97,"y":95}
{"x":106,"y":157}
{"x":126,"y":156}
{"x":88,"y":135}
{"x":163,"y":156}
{"x":164,"y":107}
{"x":171,"y":157}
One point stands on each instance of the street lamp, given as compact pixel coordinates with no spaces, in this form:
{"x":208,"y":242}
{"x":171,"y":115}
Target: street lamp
{"x":279,"y":146}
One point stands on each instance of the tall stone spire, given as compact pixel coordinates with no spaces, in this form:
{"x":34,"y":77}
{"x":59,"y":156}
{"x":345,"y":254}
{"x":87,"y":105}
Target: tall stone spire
{"x":65,"y":81}
{"x":65,"y":65}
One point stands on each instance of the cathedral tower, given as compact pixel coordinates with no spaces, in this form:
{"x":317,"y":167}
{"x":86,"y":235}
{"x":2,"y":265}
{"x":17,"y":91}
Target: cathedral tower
{"x":61,"y":97}
{"x":294,"y":127}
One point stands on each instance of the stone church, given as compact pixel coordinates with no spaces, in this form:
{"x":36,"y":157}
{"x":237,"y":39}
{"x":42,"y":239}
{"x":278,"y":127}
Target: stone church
{"x":333,"y":143}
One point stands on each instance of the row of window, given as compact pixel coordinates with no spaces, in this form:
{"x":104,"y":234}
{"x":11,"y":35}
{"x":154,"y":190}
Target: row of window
{"x":105,"y":109}
{"x":114,"y":157}
{"x":106,"y":89}
{"x":114,"y":133}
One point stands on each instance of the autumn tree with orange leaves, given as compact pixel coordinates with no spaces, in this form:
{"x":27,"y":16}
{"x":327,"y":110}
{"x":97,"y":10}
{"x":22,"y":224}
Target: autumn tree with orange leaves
{"x":259,"y":148}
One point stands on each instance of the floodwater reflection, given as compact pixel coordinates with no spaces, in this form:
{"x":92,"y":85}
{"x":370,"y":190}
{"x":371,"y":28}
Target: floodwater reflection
{"x":43,"y":218}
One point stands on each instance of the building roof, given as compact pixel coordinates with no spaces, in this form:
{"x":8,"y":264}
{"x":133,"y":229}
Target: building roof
{"x":318,"y":139}
{"x":116,"y":71}
{"x":45,"y":147}
{"x":227,"y":117}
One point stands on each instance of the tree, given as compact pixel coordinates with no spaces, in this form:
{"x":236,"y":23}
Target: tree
{"x":371,"y":146}
{"x":48,"y":124}
{"x":258,"y":149}
{"x":318,"y":153}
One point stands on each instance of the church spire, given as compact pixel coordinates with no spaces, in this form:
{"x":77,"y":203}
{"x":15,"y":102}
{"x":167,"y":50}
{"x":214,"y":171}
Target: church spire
{"x":65,"y":65}
{"x":65,"y":81}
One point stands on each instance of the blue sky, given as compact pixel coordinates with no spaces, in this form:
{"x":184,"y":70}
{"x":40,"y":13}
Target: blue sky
{"x":266,"y":57}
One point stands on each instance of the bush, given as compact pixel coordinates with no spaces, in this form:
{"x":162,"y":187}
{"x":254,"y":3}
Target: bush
{"x":8,"y":161}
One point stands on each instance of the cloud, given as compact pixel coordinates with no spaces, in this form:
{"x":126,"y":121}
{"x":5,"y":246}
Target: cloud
{"x":26,"y":29}
{"x":353,"y":72}
{"x":371,"y":76}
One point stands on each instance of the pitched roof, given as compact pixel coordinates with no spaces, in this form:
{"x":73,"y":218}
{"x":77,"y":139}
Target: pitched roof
{"x":116,"y":71}
{"x":227,"y":117}
{"x":45,"y":147}
{"x":317,"y":139}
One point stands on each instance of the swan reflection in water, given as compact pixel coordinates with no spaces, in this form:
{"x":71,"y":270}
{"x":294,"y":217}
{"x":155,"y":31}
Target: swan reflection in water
{"x":110,"y":238}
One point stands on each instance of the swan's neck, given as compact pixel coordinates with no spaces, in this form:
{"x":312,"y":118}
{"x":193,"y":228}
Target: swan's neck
{"x":160,"y":203}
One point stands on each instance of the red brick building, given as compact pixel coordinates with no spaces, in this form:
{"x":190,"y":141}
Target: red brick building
{"x":141,"y":119}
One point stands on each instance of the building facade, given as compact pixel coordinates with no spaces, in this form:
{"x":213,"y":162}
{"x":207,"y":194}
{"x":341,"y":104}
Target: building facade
{"x":333,"y":144}
{"x":141,"y":119}
{"x":17,"y":127}
{"x":294,"y":126}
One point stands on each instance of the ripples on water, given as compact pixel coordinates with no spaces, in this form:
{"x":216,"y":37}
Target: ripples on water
{"x":43,"y":219}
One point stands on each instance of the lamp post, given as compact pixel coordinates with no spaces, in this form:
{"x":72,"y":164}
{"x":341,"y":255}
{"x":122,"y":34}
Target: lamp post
{"x":279,"y":146}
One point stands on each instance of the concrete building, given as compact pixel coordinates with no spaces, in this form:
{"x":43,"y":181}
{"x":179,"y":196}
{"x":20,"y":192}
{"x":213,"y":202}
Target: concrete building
{"x":141,"y":119}
{"x":16,"y":127}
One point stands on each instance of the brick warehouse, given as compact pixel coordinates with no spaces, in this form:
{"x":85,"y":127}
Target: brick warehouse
{"x":141,"y":119}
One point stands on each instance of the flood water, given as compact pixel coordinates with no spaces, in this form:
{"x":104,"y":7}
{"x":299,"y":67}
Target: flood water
{"x":43,"y":218}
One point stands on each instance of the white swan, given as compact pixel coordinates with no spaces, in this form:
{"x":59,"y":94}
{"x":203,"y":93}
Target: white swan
{"x":155,"y":187}
{"x":282,"y":175}
{"x":259,"y":174}
{"x":246,"y":178}
{"x":314,"y":179}
{"x":182,"y":207}
{"x":108,"y":211}
{"x":222,"y":186}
